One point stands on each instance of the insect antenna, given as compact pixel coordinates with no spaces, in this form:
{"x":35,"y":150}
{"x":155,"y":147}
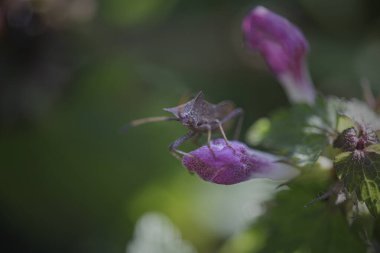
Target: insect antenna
{"x":138,"y":122}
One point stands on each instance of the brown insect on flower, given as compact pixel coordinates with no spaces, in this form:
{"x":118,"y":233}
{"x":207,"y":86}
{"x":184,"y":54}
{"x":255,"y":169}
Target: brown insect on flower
{"x":199,"y":116}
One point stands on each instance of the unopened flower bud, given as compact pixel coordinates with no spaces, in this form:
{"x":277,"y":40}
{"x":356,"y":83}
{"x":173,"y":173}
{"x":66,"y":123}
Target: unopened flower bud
{"x":347,"y":140}
{"x":235,"y":163}
{"x":284,"y":49}
{"x":353,"y":139}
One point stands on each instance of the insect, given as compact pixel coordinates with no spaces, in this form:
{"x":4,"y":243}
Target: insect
{"x":199,"y":116}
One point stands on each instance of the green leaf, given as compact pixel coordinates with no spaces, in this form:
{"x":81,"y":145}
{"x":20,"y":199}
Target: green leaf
{"x":258,"y":131}
{"x":290,"y":227}
{"x":299,"y":132}
{"x":344,"y":122}
{"x":374,"y":148}
{"x":360,"y":173}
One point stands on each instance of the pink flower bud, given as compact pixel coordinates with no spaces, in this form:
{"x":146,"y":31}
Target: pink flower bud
{"x":235,"y":163}
{"x":284,"y":49}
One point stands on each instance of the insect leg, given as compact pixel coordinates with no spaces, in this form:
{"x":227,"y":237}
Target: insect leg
{"x":222,"y":132}
{"x":238,"y":112}
{"x":209,"y":132}
{"x":173,"y":147}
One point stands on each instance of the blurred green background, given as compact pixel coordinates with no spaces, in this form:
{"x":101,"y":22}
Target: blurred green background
{"x":72,"y":73}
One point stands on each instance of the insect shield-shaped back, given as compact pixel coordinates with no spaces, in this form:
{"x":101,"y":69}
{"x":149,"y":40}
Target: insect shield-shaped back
{"x":189,"y":113}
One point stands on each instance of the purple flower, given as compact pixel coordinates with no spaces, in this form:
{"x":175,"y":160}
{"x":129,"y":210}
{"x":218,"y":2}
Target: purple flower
{"x":357,"y":138}
{"x":237,"y":163}
{"x":284,"y":49}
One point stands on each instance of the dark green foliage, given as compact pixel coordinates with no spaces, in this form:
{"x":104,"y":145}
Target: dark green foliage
{"x":303,"y":133}
{"x":360,"y":173}
{"x":300,"y":132}
{"x":291,"y":227}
